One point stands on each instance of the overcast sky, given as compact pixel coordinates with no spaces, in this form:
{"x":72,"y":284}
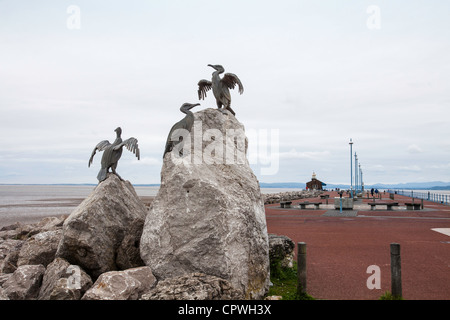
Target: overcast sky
{"x":315,"y":73}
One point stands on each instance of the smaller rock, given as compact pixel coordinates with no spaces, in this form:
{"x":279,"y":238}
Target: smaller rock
{"x":129,"y":284}
{"x":4,"y":277}
{"x":40,"y":248}
{"x":195,"y":286}
{"x":281,"y":251}
{"x":61,"y":291}
{"x":290,"y":195}
{"x":6,"y":246}
{"x":19,"y":231}
{"x":25,"y":282}
{"x":9,"y":253}
{"x":10,"y":227}
{"x":50,"y":223}
{"x":273,"y":298}
{"x":63,"y":281}
{"x":3,"y":295}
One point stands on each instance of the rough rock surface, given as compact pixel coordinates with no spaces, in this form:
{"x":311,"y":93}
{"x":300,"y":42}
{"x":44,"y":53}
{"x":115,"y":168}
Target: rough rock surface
{"x":9,"y":254}
{"x":290,"y":195}
{"x":196,"y":286}
{"x":122,"y":285}
{"x":19,"y":231}
{"x":208,"y":216}
{"x":39,"y":248}
{"x":108,"y":219}
{"x":4,"y":277}
{"x":3,"y":295}
{"x":56,"y":286}
{"x":281,"y":251}
{"x":24,"y":283}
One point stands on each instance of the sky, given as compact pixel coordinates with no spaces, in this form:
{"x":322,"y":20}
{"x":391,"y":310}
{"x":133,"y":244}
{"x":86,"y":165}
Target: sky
{"x":315,"y":74}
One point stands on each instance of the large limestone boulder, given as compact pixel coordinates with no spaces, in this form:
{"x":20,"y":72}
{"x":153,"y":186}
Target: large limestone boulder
{"x":208,"y":215}
{"x":103,"y":228}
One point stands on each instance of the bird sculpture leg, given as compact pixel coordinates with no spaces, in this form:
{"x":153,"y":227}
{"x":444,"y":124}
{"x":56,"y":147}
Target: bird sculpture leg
{"x":226,"y":107}
{"x":219,"y":107}
{"x":231,"y":110}
{"x":113,"y":169}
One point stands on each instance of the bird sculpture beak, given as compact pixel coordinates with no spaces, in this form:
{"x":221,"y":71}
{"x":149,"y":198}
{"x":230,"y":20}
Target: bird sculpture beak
{"x":210,"y":65}
{"x":194,"y":105}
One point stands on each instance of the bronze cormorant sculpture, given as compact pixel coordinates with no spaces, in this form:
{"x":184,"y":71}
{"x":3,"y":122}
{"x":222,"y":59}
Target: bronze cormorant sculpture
{"x":220,"y":87}
{"x":185,"y":123}
{"x":112,"y":153}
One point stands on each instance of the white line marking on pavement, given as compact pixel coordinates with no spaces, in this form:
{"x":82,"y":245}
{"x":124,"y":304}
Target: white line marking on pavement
{"x":445,"y":231}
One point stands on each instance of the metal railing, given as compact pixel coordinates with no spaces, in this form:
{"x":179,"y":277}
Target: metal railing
{"x":429,"y":196}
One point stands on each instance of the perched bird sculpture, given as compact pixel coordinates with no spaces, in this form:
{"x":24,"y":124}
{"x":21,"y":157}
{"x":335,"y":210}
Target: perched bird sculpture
{"x":185,"y":123}
{"x":112,"y":153}
{"x":220,"y":87}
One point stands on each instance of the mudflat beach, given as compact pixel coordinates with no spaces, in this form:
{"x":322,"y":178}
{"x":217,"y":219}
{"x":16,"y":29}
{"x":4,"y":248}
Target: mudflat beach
{"x":31,"y":203}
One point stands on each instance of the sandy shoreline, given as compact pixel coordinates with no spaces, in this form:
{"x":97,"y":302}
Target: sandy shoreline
{"x":52,"y":207}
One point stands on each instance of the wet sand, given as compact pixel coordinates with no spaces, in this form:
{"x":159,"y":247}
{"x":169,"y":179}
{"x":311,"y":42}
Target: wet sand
{"x":51,"y":207}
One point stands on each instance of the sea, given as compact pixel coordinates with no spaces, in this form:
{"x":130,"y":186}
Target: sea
{"x":31,"y":203}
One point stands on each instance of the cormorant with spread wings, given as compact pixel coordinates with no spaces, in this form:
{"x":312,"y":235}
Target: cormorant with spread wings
{"x":220,"y":87}
{"x":112,"y":153}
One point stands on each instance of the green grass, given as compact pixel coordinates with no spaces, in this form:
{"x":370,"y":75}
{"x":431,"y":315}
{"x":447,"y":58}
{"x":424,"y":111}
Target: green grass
{"x":388,"y":296}
{"x":285,"y":283}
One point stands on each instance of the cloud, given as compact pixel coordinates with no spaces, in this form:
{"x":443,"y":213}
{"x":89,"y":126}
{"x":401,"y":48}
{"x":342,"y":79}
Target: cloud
{"x":377,"y":168}
{"x":414,"y":149}
{"x":412,"y":168}
{"x":439,"y":166}
{"x":293,"y":154}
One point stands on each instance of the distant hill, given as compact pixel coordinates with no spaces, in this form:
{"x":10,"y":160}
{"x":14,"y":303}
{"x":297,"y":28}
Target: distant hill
{"x":283,"y":185}
{"x":433,"y":185}
{"x":415,"y":185}
{"x":441,"y":188}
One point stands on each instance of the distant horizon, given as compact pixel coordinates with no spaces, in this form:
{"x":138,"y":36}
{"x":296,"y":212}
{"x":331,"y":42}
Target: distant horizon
{"x":281,"y":185}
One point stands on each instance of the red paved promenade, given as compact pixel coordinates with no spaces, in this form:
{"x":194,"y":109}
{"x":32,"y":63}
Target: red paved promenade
{"x":339,"y":249}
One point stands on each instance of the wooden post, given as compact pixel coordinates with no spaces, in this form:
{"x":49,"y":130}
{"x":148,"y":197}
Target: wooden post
{"x":396,"y":270}
{"x":301,"y":268}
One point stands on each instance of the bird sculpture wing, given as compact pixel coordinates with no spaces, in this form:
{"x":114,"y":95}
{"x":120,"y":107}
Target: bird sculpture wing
{"x":132,"y":145}
{"x":100,"y":147}
{"x":231,"y":80}
{"x":203,"y":87}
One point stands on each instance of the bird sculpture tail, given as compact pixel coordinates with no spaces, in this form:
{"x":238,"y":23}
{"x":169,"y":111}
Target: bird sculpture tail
{"x":102,"y":174}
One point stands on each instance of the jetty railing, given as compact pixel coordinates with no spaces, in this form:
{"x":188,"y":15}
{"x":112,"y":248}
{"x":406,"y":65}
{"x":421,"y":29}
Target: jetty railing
{"x":429,"y":196}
